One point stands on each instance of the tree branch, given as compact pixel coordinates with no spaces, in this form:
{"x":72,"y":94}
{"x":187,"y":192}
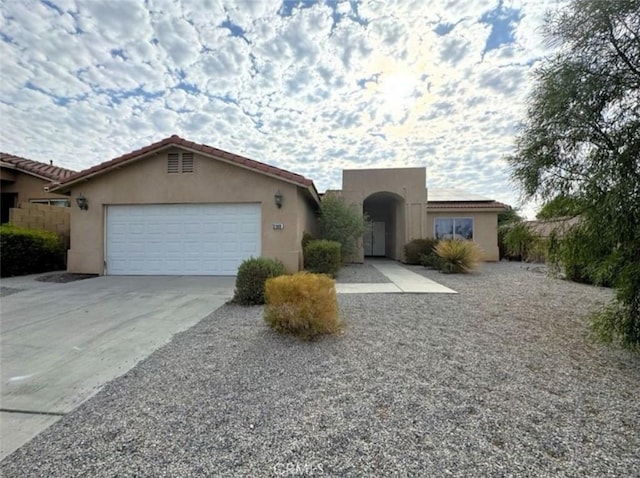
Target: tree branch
{"x":621,"y":54}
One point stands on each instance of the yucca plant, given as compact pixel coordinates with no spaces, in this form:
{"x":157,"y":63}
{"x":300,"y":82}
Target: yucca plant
{"x":458,"y":256}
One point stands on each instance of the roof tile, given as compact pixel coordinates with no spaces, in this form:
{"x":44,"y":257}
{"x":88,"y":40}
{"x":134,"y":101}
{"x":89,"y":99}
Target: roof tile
{"x":47,"y":171}
{"x":466,"y":205}
{"x":178,"y":141}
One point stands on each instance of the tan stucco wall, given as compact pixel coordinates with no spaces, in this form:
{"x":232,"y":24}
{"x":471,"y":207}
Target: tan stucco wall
{"x":27,"y":187}
{"x":485,"y":228}
{"x":147,"y":182}
{"x":409,"y":187}
{"x":42,"y":216}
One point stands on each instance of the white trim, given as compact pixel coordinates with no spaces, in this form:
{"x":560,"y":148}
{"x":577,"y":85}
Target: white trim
{"x":454,"y":218}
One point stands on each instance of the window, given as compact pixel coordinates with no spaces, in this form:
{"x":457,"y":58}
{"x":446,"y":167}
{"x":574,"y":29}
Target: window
{"x":454,"y":228}
{"x":52,"y":202}
{"x":176,"y":164}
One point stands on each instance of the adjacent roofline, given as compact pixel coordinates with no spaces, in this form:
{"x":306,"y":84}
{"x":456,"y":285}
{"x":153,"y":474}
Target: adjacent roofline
{"x":174,"y":141}
{"x":47,"y":172}
{"x":479,"y":206}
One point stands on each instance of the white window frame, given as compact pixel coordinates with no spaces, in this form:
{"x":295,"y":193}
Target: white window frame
{"x":454,"y":219}
{"x":52,"y":202}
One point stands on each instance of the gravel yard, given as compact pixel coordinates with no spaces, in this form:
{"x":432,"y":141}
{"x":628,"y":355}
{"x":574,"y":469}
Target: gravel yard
{"x":497,"y":380}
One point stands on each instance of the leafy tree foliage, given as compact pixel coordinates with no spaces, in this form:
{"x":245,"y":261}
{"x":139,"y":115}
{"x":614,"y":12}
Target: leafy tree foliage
{"x":343,"y":223}
{"x":508,"y":216}
{"x":581,"y":139}
{"x":505,"y":219}
{"x":560,"y":206}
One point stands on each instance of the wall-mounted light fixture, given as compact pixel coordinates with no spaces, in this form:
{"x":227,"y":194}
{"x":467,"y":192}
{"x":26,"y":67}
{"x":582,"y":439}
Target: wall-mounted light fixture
{"x":82,"y":202}
{"x":278,"y":198}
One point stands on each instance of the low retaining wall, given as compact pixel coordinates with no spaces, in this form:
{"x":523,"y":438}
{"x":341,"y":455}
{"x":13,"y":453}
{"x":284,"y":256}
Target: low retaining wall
{"x":42,"y":216}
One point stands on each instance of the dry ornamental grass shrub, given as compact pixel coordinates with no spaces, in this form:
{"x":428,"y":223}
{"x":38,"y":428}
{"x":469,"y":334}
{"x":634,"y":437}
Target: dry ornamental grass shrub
{"x":458,"y":256}
{"x":302,"y":304}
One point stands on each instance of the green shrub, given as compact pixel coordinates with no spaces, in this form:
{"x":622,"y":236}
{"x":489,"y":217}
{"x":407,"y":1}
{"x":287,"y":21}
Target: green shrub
{"x":617,"y":324}
{"x":252,"y":275}
{"x":306,"y":239}
{"x":521,"y":243}
{"x":322,"y":257}
{"x":582,"y":260}
{"x":415,"y":249}
{"x":431,"y":260}
{"x":342,"y":222}
{"x":302,"y":304}
{"x":29,"y":251}
{"x":458,"y":256}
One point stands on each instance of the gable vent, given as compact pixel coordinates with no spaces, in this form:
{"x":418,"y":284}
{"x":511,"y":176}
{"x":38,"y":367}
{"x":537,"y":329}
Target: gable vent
{"x":173,"y":163}
{"x":187,"y":162}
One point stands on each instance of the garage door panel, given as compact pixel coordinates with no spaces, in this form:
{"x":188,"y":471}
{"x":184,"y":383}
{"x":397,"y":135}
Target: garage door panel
{"x":181,"y":239}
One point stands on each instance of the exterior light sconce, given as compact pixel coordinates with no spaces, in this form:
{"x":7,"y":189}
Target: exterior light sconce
{"x":278,"y":199}
{"x":82,"y":202}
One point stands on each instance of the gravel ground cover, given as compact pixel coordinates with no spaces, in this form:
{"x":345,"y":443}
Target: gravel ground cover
{"x":497,"y":380}
{"x":360,"y":274}
{"x":5,"y":291}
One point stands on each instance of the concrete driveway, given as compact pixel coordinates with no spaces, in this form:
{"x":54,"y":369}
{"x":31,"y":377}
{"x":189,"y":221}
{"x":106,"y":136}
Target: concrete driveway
{"x":60,"y":343}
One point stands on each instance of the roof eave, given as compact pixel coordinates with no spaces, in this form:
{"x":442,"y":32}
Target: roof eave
{"x":25,"y":171}
{"x":65,"y":186}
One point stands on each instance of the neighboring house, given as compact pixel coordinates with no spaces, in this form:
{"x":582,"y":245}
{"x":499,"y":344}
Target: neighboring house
{"x":560,"y":226}
{"x":178,"y":207}
{"x":24,"y":181}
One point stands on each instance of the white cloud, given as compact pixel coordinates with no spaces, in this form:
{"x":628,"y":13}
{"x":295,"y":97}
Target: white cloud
{"x":379,"y":88}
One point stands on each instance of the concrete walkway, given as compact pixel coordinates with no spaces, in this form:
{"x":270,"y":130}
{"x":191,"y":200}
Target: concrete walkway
{"x":60,"y":343}
{"x":402,"y":281}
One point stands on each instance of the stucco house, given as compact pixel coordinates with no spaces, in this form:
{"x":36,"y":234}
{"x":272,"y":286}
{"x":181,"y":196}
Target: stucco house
{"x":401,"y":209}
{"x":178,"y":207}
{"x":27,"y":181}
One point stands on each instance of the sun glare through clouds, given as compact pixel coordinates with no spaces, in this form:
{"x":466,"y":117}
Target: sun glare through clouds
{"x":397,"y":90}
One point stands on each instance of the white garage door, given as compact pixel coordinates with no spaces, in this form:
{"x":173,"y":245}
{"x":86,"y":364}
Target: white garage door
{"x":181,"y":239}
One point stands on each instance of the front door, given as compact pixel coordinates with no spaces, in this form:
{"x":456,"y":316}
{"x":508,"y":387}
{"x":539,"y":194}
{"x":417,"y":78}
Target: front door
{"x":375,"y":240}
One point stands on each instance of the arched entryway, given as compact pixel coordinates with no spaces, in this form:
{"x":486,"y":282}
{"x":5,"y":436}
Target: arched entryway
{"x":386,"y":212}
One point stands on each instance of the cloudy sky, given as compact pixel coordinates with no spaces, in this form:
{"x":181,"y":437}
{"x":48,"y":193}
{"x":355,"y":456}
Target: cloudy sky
{"x":313,"y":86}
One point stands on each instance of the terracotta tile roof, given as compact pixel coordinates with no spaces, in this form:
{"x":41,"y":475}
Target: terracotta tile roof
{"x":201,"y":148}
{"x":466,"y":205}
{"x":35,"y":168}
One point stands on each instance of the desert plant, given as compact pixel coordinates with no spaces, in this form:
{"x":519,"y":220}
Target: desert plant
{"x":252,"y":275}
{"x":416,"y":248}
{"x":616,"y":324}
{"x":302,"y":304}
{"x":343,"y":223}
{"x":29,"y":251}
{"x":521,"y":242}
{"x":322,"y":257}
{"x":431,"y":260}
{"x":582,"y":259}
{"x":458,"y":256}
{"x":580,"y":139}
